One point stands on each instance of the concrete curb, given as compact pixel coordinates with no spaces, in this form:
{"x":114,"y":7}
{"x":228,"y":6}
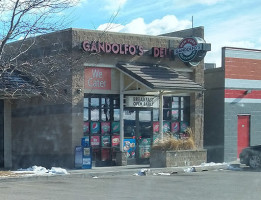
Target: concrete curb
{"x":138,"y":170}
{"x":146,"y":171}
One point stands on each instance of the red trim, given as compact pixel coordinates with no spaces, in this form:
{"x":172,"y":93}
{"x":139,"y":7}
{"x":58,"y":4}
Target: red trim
{"x":254,"y":94}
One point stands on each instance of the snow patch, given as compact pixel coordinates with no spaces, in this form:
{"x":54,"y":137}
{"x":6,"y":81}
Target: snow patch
{"x":41,"y":171}
{"x":212,"y":164}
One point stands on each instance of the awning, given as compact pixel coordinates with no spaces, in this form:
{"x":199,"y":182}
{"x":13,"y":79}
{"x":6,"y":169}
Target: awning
{"x":159,"y":77}
{"x":14,"y":84}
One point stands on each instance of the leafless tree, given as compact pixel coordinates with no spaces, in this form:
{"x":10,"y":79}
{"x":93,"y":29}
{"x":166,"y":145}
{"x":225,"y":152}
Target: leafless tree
{"x":22,"y":20}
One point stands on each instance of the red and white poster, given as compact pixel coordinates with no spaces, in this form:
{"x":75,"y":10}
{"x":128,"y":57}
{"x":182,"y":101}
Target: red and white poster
{"x":115,"y":141}
{"x":97,"y":78}
{"x":95,"y":141}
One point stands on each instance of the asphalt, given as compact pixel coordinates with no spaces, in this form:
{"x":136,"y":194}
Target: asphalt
{"x":138,"y":170}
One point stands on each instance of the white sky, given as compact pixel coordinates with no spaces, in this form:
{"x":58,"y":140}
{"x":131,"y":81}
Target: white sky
{"x":227,"y":22}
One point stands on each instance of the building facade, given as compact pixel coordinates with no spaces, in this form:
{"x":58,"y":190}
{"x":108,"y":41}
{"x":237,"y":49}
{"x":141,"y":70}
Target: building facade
{"x":232,"y":104}
{"x":118,"y":91}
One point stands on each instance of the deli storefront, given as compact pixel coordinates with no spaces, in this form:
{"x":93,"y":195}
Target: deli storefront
{"x":135,"y":93}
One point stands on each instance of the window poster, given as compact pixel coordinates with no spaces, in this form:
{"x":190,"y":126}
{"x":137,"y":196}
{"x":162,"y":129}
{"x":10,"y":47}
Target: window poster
{"x":115,"y":141}
{"x":166,"y":127}
{"x":95,"y":127}
{"x":86,"y":127}
{"x":115,"y":127}
{"x":155,"y":127}
{"x":156,"y":138}
{"x":95,"y":140}
{"x":144,"y":147}
{"x":183,"y":126}
{"x":175,"y":127}
{"x":106,"y":142}
{"x":105,"y":127}
{"x":129,"y":146}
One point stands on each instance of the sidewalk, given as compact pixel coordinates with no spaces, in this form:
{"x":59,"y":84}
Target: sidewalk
{"x":138,"y":170}
{"x":144,"y":170}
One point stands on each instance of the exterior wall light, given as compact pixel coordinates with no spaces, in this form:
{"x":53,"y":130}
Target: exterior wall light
{"x":79,"y":90}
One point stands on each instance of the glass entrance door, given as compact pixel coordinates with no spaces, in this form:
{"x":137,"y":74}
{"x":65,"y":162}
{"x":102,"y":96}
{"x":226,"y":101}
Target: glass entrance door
{"x":137,"y":134}
{"x":144,"y":135}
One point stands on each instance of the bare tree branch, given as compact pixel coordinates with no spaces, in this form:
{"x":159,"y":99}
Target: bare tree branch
{"x":22,"y":20}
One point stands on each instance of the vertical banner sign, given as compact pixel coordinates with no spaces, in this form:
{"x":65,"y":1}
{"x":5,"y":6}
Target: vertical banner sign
{"x":97,"y":78}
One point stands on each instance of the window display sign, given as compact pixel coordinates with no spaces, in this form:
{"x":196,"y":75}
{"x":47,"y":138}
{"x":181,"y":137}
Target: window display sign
{"x":97,"y":78}
{"x":144,"y":147}
{"x":115,"y":141}
{"x":166,"y":127}
{"x":175,"y":127}
{"x":155,"y":127}
{"x":115,"y":127}
{"x":86,"y":127}
{"x":129,"y":146}
{"x":156,"y":138}
{"x":183,"y":126}
{"x":95,"y":127}
{"x":95,"y":141}
{"x":142,"y":101}
{"x":106,"y":142}
{"x":105,"y":127}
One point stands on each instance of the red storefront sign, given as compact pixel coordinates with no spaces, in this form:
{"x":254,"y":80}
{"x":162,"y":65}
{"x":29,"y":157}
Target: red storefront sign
{"x":97,"y":78}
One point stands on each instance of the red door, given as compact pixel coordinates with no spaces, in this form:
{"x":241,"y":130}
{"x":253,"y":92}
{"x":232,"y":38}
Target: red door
{"x":242,"y":132}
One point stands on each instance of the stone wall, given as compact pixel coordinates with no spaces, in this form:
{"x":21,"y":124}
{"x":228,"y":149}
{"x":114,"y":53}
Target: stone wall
{"x":177,"y":158}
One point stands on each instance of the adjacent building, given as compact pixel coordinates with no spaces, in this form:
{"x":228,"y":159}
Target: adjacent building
{"x":232,"y":104}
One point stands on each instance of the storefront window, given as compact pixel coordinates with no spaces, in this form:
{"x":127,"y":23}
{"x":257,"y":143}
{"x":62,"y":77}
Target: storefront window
{"x":155,"y":114}
{"x":85,"y":114}
{"x":105,"y":114}
{"x":176,"y":114}
{"x":116,"y":114}
{"x":175,"y":102}
{"x":95,"y":102}
{"x":95,"y":114}
{"x":145,"y":116}
{"x":101,"y":123}
{"x":86,"y":102}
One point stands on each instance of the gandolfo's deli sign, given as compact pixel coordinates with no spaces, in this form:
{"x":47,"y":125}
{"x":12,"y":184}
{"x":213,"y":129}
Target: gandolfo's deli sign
{"x":106,"y":47}
{"x":97,"y":78}
{"x":142,"y":101}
